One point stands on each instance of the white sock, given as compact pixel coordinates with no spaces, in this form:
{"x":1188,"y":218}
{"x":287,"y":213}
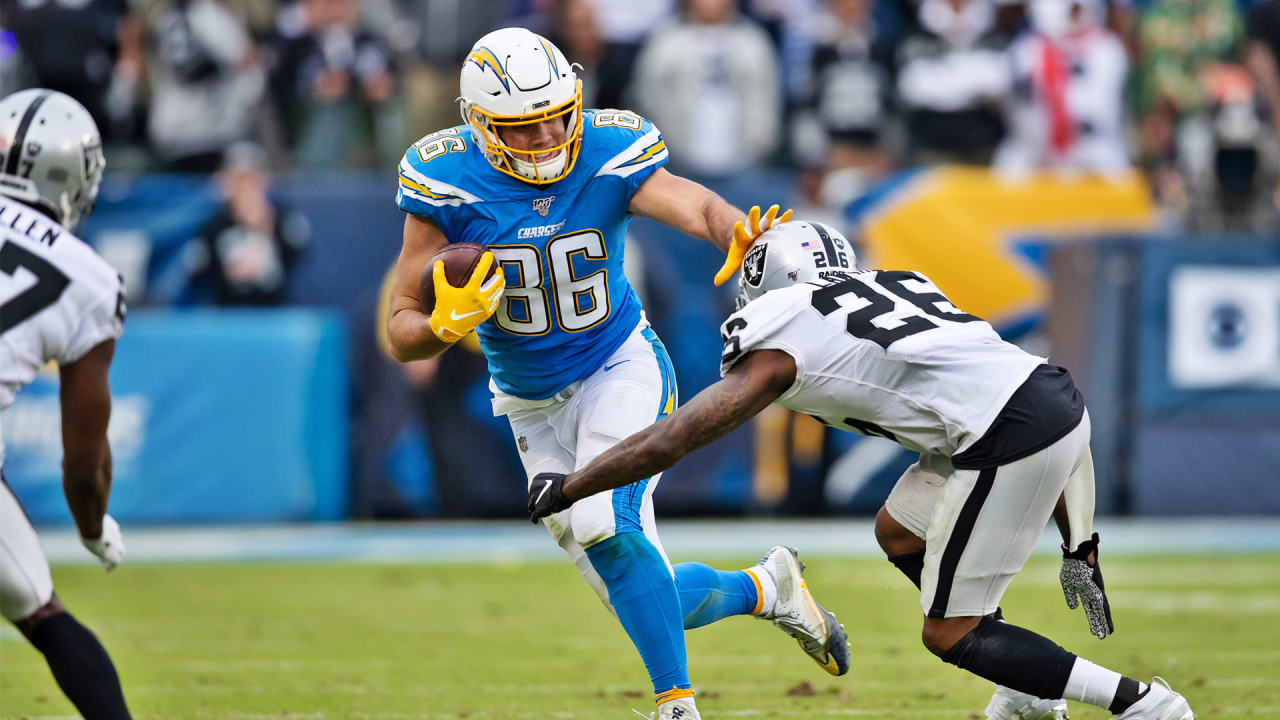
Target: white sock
{"x":768,"y":591}
{"x":684,"y":703}
{"x":1093,"y":684}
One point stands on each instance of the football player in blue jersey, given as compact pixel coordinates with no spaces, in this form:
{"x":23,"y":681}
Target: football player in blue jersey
{"x":549,"y":188}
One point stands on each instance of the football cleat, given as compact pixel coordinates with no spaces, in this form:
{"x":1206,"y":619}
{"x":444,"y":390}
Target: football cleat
{"x":1009,"y":704}
{"x":1160,"y":703}
{"x":797,"y":614}
{"x":681,"y":709}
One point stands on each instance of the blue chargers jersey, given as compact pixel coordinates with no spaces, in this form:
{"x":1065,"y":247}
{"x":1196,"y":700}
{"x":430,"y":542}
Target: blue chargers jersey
{"x":568,"y":304}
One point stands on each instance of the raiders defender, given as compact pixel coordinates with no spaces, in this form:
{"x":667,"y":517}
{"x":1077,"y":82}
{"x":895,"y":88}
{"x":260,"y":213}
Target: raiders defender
{"x":1002,"y":437}
{"x":59,"y":302}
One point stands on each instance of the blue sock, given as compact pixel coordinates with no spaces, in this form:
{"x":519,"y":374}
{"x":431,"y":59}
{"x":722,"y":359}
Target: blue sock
{"x":643,"y":595}
{"x":707,"y":594}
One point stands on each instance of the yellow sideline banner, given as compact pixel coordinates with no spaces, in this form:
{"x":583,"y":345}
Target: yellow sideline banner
{"x":961,"y":226}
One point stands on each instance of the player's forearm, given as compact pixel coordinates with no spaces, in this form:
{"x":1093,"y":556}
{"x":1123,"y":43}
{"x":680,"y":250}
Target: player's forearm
{"x":86,"y":483}
{"x":720,"y":217}
{"x":1078,"y":504}
{"x":642,"y":455}
{"x":1061,"y":520}
{"x":409,"y":334}
{"x":712,"y":414}
{"x":687,"y":206}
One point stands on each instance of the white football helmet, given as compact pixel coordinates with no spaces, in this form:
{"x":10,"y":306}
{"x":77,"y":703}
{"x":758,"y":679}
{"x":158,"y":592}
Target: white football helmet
{"x":792,"y":252}
{"x":50,"y":154}
{"x":515,"y":77}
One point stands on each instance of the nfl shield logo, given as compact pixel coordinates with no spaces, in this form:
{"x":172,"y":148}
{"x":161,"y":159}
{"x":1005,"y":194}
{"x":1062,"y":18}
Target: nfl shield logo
{"x":523,"y":442}
{"x":543,"y":205}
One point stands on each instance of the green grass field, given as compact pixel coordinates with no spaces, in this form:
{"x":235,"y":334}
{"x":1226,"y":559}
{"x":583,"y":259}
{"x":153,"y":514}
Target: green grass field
{"x":531,"y":641}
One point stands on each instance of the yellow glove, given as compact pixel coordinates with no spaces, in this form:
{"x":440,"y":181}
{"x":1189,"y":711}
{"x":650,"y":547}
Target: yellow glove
{"x":459,"y":310}
{"x":742,"y":239}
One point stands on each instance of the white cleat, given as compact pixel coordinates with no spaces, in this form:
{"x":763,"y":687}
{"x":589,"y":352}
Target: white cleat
{"x":796,"y":613}
{"x":1009,"y":704}
{"x":680,"y":709}
{"x":1160,"y":703}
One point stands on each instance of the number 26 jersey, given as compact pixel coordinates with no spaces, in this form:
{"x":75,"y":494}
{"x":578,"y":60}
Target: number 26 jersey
{"x":568,"y":305}
{"x":884,"y":353}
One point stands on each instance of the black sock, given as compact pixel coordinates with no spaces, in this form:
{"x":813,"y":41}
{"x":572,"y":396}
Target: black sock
{"x":1126,"y":695}
{"x":912,"y":565}
{"x":1013,"y":657}
{"x":81,"y":666}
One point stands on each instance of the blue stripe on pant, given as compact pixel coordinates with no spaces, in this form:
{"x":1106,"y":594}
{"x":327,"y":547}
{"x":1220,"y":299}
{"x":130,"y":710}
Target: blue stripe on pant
{"x":627,"y":500}
{"x":641,"y":588}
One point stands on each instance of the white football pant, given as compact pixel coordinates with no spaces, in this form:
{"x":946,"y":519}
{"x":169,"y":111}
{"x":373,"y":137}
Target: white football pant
{"x":633,"y":389}
{"x":25,"y":583}
{"x":980,"y":526}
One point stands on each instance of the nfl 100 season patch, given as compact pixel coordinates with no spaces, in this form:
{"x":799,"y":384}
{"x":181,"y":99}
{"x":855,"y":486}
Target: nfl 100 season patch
{"x":543,"y":204}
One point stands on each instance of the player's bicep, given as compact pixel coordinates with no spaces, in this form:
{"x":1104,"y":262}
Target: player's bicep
{"x":85,"y":398}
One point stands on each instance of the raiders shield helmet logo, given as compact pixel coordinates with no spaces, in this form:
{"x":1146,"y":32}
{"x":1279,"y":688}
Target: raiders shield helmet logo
{"x":753,"y":265}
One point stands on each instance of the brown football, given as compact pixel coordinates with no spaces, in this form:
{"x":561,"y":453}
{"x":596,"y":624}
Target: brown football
{"x":460,"y":260}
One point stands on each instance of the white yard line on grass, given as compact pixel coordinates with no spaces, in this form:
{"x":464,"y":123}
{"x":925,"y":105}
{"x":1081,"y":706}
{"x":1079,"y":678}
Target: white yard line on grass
{"x":517,"y":542}
{"x":1172,"y":602}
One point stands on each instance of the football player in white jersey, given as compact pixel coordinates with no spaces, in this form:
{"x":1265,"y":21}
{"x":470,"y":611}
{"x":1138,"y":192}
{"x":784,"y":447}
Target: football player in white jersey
{"x":1003,"y":439}
{"x":59,"y":302}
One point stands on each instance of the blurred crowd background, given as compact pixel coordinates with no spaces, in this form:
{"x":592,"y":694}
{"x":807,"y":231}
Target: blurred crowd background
{"x":251,"y":148}
{"x":843,"y":91}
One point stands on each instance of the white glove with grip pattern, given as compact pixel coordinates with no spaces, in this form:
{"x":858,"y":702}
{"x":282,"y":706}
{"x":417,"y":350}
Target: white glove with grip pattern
{"x":110,"y":546}
{"x":1082,"y":585}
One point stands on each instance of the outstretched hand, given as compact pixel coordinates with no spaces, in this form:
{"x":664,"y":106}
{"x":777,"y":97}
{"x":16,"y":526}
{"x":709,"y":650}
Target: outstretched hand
{"x":743,"y":236}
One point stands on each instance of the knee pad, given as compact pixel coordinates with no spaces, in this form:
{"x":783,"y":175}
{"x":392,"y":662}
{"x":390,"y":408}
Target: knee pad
{"x":1014,"y":657}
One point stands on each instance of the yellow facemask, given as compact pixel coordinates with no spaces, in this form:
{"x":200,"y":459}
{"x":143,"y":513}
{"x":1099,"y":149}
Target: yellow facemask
{"x":485,"y":126}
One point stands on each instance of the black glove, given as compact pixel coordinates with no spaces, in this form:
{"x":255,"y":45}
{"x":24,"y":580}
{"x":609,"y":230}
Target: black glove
{"x":1082,"y":585}
{"x":546,"y":496}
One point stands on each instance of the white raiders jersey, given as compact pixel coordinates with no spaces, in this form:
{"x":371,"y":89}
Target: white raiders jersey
{"x":58,"y":298}
{"x":884,"y":353}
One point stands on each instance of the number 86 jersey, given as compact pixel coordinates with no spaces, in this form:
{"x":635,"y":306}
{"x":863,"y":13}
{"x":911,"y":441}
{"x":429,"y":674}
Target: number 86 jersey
{"x":568,"y":305}
{"x":884,"y":353}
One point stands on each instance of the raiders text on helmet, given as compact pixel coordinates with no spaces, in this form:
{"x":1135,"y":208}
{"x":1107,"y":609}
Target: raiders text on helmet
{"x":50,"y":154}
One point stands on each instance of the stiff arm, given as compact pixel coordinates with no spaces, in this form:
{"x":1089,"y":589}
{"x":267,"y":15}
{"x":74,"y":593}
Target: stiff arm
{"x":756,"y":380}
{"x":685,"y":205}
